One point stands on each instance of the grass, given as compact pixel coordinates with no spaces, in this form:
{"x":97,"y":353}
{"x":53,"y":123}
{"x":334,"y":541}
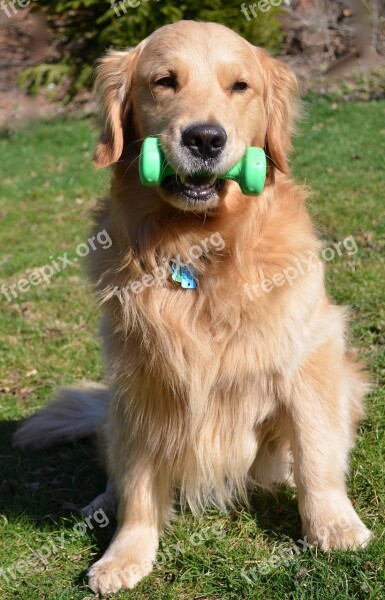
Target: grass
{"x":48,"y":339}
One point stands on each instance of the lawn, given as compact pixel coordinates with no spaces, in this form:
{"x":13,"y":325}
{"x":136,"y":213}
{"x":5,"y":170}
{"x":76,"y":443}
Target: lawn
{"x":49,"y":339}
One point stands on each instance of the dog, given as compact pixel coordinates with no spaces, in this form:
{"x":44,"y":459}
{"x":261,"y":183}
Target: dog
{"x":211,"y":393}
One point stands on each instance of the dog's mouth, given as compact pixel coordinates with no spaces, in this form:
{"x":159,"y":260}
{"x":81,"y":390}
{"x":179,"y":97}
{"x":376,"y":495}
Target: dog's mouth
{"x":193,"y":187}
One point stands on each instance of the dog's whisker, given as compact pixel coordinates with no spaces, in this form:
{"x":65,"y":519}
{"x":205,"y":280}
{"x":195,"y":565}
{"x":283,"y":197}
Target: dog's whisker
{"x":129,"y":166}
{"x":272,"y":159}
{"x":136,"y":142}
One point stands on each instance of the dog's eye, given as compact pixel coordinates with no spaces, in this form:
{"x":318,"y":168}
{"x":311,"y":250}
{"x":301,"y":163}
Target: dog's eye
{"x":167,"y":82}
{"x":240,"y":86}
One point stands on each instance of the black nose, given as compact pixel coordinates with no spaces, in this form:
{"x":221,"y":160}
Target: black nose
{"x":204,"y":139}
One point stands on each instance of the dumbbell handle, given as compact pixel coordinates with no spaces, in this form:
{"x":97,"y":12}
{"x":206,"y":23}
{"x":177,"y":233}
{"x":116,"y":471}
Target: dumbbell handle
{"x":249,"y":173}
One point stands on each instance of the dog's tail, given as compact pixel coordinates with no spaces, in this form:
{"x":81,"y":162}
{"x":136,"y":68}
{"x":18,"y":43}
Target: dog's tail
{"x":73,"y":414}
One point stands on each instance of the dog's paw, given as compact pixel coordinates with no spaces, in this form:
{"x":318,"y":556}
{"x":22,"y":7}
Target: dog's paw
{"x":106,"y":501}
{"x":341,"y":530}
{"x":102,"y":502}
{"x":108,"y":576}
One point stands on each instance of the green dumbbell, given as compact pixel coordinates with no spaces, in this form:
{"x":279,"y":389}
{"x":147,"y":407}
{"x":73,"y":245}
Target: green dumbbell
{"x":249,"y":173}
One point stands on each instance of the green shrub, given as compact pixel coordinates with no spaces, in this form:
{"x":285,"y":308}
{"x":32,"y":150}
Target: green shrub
{"x":88,"y":27}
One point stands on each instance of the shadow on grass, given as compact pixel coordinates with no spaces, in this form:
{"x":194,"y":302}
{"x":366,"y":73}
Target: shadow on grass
{"x":47,"y":486}
{"x":277,"y":513}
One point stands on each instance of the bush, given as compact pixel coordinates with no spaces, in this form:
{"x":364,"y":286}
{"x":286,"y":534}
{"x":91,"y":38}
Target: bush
{"x":87,"y":27}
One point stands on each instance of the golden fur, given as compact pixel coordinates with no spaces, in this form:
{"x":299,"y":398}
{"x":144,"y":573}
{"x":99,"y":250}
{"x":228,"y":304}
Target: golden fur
{"x":212,"y":392}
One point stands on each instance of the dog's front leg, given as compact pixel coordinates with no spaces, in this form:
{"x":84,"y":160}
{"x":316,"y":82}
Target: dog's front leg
{"x":323,"y":420}
{"x":144,"y":504}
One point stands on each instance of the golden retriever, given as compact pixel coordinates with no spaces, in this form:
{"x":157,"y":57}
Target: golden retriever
{"x":212,"y":392}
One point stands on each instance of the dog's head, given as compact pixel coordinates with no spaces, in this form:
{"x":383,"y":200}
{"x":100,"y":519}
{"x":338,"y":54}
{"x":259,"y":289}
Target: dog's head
{"x":207,"y":94}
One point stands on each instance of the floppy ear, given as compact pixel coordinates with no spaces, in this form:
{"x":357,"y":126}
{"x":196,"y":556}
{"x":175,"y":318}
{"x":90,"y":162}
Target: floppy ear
{"x":112,"y":89}
{"x":282,"y":108}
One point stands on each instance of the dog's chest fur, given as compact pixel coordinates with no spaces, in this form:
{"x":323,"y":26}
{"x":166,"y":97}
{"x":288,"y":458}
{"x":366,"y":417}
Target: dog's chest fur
{"x":207,"y":369}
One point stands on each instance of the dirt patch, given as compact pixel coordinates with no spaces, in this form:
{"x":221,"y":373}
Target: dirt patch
{"x":27,"y":40}
{"x":23,"y":43}
{"x":330,"y":42}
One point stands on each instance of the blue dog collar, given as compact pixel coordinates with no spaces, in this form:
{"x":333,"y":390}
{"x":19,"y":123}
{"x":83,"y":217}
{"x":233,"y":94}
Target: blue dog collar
{"x":185,"y":276}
